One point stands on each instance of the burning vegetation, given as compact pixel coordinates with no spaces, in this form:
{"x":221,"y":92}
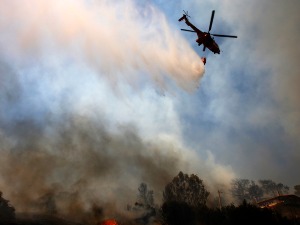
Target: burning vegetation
{"x":109,"y":222}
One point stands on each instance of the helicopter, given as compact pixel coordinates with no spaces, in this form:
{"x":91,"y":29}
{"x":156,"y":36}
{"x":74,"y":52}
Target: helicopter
{"x":205,"y":38}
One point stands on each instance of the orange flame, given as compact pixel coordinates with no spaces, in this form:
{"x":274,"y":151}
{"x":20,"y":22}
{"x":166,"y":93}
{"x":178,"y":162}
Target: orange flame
{"x":109,"y":222}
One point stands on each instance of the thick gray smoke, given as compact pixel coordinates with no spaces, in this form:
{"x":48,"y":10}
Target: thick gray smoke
{"x":69,"y":142}
{"x":57,"y":158}
{"x":79,"y":164}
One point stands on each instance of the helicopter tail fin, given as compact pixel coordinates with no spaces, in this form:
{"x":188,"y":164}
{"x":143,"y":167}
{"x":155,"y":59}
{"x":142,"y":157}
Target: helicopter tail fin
{"x":183,"y":17}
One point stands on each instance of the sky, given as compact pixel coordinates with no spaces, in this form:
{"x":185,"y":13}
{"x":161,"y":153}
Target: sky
{"x":99,"y":96}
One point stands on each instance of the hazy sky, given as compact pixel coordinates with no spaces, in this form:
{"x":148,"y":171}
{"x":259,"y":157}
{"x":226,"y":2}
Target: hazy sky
{"x":247,"y":110}
{"x":102,"y":95}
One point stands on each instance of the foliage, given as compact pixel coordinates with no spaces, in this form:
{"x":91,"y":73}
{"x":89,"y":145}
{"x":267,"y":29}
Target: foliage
{"x":250,"y":214}
{"x":271,"y":188}
{"x":244,"y":189}
{"x":178,"y":213}
{"x":7,"y":212}
{"x":252,"y":192}
{"x":255,"y":192}
{"x":186,"y":189}
{"x":185,"y":197}
{"x":297,"y":190}
{"x":144,"y":205}
{"x":239,"y":189}
{"x":145,"y":196}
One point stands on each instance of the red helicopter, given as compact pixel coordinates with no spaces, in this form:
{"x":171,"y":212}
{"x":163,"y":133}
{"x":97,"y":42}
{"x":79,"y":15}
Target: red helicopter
{"x":205,"y":37}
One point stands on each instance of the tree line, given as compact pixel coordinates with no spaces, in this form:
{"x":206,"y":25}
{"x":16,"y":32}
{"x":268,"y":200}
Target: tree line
{"x":253,"y":191}
{"x":185,"y":202}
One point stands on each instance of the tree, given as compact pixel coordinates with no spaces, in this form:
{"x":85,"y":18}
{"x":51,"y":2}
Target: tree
{"x":268,"y":186}
{"x":297,"y":190}
{"x":282,"y":189}
{"x":239,"y":189}
{"x":255,"y":192}
{"x":178,"y":213}
{"x":144,"y":206}
{"x":7,"y":212}
{"x":244,"y":189}
{"x":186,"y":189}
{"x":145,"y":196}
{"x":251,"y":191}
{"x":271,"y":188}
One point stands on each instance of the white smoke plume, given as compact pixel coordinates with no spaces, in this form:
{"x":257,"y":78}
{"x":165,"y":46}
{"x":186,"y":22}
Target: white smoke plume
{"x":116,"y":38}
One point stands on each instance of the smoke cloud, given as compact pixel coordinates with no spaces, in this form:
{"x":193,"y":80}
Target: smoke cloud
{"x":250,"y":99}
{"x":80,"y":164}
{"x":69,"y":141}
{"x":116,"y":38}
{"x":72,"y":162}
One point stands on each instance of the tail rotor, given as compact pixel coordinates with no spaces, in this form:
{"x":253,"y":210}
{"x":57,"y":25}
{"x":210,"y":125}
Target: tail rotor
{"x":185,"y":15}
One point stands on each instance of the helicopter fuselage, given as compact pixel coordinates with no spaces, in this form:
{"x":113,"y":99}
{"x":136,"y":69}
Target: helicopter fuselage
{"x":205,"y":39}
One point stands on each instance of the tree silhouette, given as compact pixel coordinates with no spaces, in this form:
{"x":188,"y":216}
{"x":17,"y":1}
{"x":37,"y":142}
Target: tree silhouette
{"x":282,"y":189}
{"x":7,"y":212}
{"x":185,"y":188}
{"x":178,"y":213}
{"x":297,"y":190}
{"x":251,"y":191}
{"x":240,"y":189}
{"x":271,"y":188}
{"x":255,"y":192}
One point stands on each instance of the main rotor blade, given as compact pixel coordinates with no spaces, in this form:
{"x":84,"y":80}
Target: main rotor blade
{"x":188,"y":30}
{"x":223,"y":35}
{"x":211,"y":19}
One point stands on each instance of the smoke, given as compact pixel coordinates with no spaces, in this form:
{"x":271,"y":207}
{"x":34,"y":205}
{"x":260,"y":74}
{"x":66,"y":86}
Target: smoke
{"x":275,"y":112}
{"x":79,"y":164}
{"x":249,"y":102}
{"x":115,"y":38}
{"x":57,"y":157}
{"x":70,"y":141}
